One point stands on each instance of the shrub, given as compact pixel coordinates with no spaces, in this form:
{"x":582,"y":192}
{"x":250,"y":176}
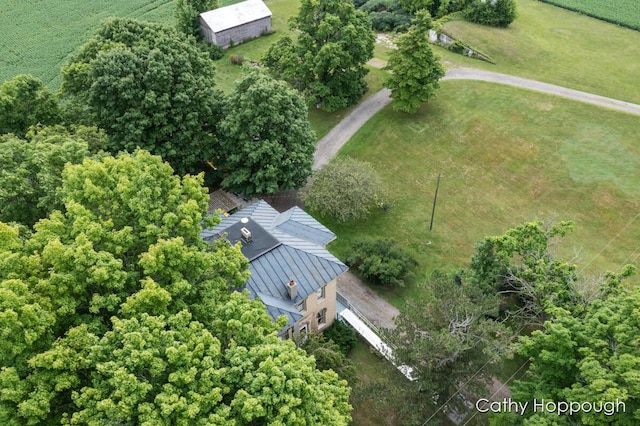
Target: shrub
{"x":389,"y":21}
{"x":497,"y":13}
{"x":215,"y":52}
{"x":345,"y":189}
{"x":381,"y":261}
{"x":342,"y":335}
{"x":236,"y":59}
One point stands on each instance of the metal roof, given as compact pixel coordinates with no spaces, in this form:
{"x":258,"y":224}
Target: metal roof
{"x":226,"y":17}
{"x":299,"y":255}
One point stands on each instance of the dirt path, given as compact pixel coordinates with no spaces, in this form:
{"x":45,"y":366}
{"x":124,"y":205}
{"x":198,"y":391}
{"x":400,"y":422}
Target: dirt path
{"x":329,"y":145}
{"x":377,"y":310}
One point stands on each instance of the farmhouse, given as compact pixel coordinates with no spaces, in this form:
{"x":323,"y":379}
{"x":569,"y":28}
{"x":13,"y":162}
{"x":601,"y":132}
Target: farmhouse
{"x":235,"y":23}
{"x":291,"y":271}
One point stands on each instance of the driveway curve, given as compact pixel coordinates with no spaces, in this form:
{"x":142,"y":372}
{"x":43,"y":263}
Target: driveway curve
{"x":330,"y":144}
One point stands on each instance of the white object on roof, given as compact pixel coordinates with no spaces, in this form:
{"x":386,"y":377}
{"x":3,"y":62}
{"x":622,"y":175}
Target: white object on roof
{"x":234,"y":15}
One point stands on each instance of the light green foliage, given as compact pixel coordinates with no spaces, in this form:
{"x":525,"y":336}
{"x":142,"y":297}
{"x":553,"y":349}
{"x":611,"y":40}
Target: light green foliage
{"x":381,"y":261}
{"x":448,"y":335}
{"x":593,"y":358}
{"x":115,"y":311}
{"x":25,"y":102}
{"x":334,"y":43}
{"x":496,"y":13}
{"x":31,"y":172}
{"x":148,"y":86}
{"x":187,"y":12}
{"x":345,"y":189}
{"x":415,"y":69}
{"x":266,"y":141}
{"x":520,"y":263}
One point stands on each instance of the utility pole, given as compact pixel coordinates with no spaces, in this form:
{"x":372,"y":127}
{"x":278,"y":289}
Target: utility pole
{"x":435,"y":197}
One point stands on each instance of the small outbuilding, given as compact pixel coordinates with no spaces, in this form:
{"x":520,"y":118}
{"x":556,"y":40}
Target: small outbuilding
{"x":235,"y":23}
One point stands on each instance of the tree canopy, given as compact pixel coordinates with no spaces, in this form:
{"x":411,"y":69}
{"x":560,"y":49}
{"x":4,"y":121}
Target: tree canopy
{"x":327,"y":60}
{"x":25,"y":102}
{"x":148,"y":86}
{"x":31,"y":170}
{"x":496,"y":13}
{"x":267,"y":143}
{"x":593,"y":357}
{"x":115,"y":311}
{"x":448,"y":335}
{"x":415,"y":70}
{"x":345,"y":189}
{"x":187,"y":12}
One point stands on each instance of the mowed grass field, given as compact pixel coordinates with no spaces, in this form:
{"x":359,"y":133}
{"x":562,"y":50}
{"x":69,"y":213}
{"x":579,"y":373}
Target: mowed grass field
{"x":554,"y":45}
{"x":37,"y":37}
{"x":622,"y":12}
{"x":506,"y":156}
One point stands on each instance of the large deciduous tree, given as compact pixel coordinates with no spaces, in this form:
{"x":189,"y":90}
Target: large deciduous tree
{"x":521,"y":263}
{"x":450,"y":339}
{"x":345,"y":189}
{"x":115,"y":311}
{"x":593,"y":358}
{"x":148,"y":86}
{"x":31,"y":170}
{"x":25,"y":102}
{"x":415,"y":68}
{"x":266,"y":140}
{"x":187,"y":12}
{"x":327,"y":59}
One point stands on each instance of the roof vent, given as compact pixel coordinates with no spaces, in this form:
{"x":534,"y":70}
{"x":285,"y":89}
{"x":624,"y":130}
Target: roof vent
{"x":292,"y":287}
{"x":246,"y":234}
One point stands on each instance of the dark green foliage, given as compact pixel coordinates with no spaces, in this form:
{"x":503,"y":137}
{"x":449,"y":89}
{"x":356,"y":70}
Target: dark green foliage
{"x":215,"y":52}
{"x":381,"y":261}
{"x":342,"y":335}
{"x":415,"y":69}
{"x":31,"y":173}
{"x":389,"y":21}
{"x":386,"y":15}
{"x":267,"y":143}
{"x":187,"y":12}
{"x":327,"y":60}
{"x":447,"y":335}
{"x":148,"y":86}
{"x":496,"y":13}
{"x":329,"y":356}
{"x":25,"y":102}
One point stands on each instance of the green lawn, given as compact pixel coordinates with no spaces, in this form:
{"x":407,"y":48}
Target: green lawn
{"x":39,"y":37}
{"x":506,"y":156}
{"x":557,"y":46}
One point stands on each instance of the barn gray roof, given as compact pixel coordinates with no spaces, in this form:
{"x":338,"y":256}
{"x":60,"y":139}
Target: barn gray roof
{"x":226,"y":17}
{"x":293,"y":250}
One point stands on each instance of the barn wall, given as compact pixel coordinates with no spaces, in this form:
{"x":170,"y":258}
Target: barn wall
{"x":243,"y":32}
{"x":207,"y":32}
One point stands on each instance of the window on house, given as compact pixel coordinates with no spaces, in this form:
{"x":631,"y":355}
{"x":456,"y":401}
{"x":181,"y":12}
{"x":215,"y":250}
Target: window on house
{"x":304,"y":330}
{"x":300,"y":306}
{"x":321,"y":292}
{"x":322,"y":316}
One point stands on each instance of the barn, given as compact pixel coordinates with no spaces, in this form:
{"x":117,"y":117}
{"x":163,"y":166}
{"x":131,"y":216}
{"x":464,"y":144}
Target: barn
{"x":235,"y":23}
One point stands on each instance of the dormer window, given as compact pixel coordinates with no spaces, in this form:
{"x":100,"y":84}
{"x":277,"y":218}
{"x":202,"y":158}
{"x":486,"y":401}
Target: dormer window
{"x":320,"y":293}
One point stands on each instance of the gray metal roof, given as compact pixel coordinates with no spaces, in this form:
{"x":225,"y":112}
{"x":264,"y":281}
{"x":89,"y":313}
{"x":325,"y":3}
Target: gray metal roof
{"x":300,"y":256}
{"x":226,"y":17}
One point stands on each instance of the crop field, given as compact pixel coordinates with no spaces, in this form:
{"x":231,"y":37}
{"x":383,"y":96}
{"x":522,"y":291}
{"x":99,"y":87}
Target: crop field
{"x":37,"y":37}
{"x":621,"y":12}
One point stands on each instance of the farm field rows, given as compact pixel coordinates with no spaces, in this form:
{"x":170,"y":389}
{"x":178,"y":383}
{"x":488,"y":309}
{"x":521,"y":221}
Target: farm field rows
{"x":37,"y":37}
{"x":621,"y":12}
